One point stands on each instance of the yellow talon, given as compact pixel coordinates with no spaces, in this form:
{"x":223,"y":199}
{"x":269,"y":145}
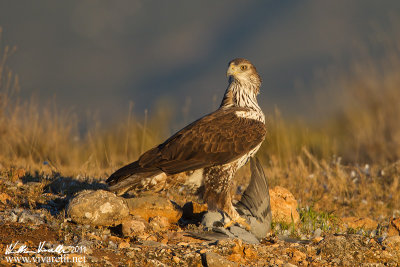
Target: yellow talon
{"x":239,"y":220}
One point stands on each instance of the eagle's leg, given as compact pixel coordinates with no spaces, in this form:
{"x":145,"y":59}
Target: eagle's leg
{"x":217,"y":184}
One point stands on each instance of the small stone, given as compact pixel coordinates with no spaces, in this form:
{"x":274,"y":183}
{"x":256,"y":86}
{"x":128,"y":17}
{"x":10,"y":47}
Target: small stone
{"x":317,"y":233}
{"x":159,"y":223}
{"x":236,"y":257}
{"x":151,"y":206}
{"x":17,"y":175}
{"x":99,"y":208}
{"x":214,"y":260}
{"x":317,"y":239}
{"x":133,"y":226}
{"x":4,"y":198}
{"x":124,"y":244}
{"x":176,"y":259}
{"x":27,"y":217}
{"x":283,"y":205}
{"x":298,"y":256}
{"x":249,"y":253}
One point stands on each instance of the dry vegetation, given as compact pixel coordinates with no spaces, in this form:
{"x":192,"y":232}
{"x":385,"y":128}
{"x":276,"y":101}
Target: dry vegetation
{"x":347,"y":164}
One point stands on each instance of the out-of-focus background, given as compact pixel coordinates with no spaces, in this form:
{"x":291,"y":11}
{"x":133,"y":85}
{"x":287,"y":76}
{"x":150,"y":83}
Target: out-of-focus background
{"x":87,"y":86}
{"x":98,"y":56}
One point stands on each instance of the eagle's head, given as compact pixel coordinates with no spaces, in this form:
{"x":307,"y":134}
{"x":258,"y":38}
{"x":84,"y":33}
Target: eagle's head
{"x":241,"y":70}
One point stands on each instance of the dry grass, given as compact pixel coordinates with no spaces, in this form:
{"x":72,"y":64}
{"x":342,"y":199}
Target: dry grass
{"x":302,"y":157}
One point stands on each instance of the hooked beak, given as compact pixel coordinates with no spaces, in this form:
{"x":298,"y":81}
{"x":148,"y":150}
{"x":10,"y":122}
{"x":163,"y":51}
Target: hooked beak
{"x":231,"y":71}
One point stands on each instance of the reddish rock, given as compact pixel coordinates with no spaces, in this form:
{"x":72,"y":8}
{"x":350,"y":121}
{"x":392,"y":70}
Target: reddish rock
{"x":18,"y":174}
{"x":124,"y":244}
{"x":394,"y":227}
{"x":214,"y":260}
{"x":4,"y":198}
{"x":359,"y":223}
{"x":152,"y":206}
{"x":283,"y":205}
{"x":396,"y":223}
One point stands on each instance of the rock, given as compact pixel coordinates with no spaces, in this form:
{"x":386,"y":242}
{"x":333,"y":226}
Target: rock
{"x":99,"y":208}
{"x":133,"y":226}
{"x":151,"y":206}
{"x":298,"y":256}
{"x":4,"y":198}
{"x":124,"y":244}
{"x":283,"y":205}
{"x":18,"y":174}
{"x":394,"y":227}
{"x":28,"y":217}
{"x":212,"y":259}
{"x":212,"y":218}
{"x":357,"y":223}
{"x":159,"y":223}
{"x":176,"y":259}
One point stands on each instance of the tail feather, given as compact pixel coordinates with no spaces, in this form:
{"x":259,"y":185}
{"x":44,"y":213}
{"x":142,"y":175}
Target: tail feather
{"x":131,"y":176}
{"x":256,"y":198}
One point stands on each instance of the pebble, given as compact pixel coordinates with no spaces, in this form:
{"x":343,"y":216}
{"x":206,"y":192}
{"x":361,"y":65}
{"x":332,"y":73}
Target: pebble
{"x":133,"y":226}
{"x":214,"y":260}
{"x":124,"y":244}
{"x":287,"y":264}
{"x":159,"y":223}
{"x":176,"y":259}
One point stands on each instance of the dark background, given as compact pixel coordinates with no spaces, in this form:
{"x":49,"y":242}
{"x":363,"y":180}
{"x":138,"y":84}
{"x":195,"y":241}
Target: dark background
{"x":98,"y":56}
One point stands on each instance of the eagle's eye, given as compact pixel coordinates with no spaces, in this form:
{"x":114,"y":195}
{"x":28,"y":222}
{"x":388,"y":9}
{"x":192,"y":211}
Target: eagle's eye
{"x":243,"y":67}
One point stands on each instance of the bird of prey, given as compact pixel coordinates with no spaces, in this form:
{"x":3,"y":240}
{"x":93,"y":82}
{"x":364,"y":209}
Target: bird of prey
{"x":214,"y":146}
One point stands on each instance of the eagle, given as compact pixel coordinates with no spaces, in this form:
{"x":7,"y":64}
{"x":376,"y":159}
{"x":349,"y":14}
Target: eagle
{"x":213,"y":147}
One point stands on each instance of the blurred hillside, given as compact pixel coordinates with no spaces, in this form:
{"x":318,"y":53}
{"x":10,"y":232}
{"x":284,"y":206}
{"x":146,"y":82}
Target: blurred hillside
{"x":98,"y":57}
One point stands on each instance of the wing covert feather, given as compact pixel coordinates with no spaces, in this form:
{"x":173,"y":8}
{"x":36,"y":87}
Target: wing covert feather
{"x":215,"y":139}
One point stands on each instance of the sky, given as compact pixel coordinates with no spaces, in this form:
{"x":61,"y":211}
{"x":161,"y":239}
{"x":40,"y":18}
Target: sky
{"x":99,"y":56}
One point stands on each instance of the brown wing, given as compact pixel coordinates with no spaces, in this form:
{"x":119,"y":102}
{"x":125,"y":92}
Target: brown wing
{"x":215,"y":139}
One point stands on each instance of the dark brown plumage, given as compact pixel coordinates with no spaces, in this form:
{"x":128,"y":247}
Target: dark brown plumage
{"x":218,"y":143}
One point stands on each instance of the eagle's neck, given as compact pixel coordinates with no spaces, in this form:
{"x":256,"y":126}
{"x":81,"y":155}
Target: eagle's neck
{"x":241,"y":95}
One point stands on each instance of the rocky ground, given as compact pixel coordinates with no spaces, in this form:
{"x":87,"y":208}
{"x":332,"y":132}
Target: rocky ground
{"x":146,"y":231}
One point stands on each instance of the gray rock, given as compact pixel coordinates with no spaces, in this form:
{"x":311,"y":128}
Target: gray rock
{"x":133,"y":226}
{"x":27,"y":217}
{"x":211,"y":218}
{"x":317,"y":233}
{"x":211,"y":259}
{"x":99,"y":208}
